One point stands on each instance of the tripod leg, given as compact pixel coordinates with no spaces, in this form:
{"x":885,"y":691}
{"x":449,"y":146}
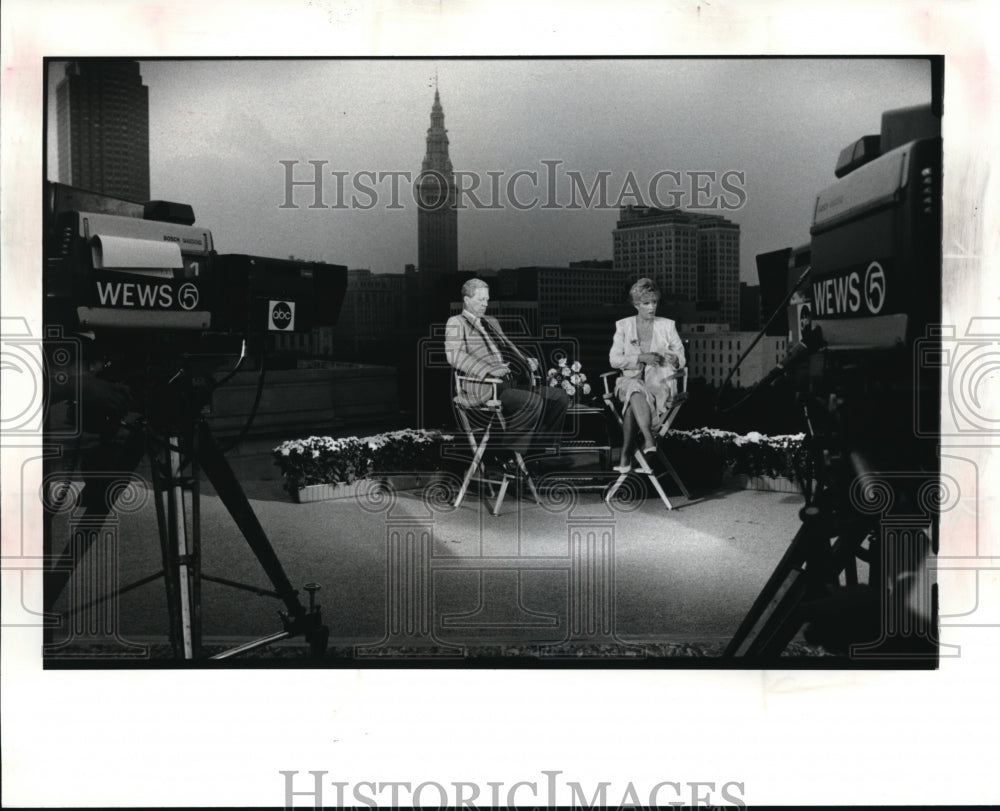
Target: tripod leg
{"x":777,"y":586}
{"x":194,"y":550}
{"x":808,"y":570}
{"x":228,"y":488}
{"x":791,"y":609}
{"x":177,"y":513}
{"x":780,"y":621}
{"x":168,"y":549}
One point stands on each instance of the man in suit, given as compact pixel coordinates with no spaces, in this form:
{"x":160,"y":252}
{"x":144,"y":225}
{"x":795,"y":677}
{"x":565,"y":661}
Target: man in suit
{"x":476,"y":346}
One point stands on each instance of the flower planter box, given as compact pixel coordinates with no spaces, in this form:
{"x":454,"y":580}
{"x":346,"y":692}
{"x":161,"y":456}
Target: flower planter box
{"x":772,"y":484}
{"x":768,"y":484}
{"x":703,"y":457}
{"x":321,"y":459}
{"x":410,"y":481}
{"x":334,"y":492}
{"x":358,"y":489}
{"x":409,"y":458}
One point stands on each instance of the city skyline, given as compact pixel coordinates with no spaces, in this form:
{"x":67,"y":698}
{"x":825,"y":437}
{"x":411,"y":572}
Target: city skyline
{"x":761,"y":136}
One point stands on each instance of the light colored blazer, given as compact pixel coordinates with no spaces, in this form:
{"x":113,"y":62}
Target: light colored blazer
{"x":469,"y":354}
{"x":625,"y":349}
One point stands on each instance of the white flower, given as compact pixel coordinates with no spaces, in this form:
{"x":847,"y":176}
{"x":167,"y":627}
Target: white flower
{"x":569,"y":388}
{"x":586,"y":388}
{"x":574,"y":379}
{"x":552,"y":372}
{"x":561,"y":362}
{"x":285,"y":450}
{"x":576,"y":367}
{"x":566,"y":372}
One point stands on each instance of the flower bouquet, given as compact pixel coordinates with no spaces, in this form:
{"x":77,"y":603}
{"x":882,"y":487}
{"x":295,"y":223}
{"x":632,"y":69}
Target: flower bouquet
{"x":569,"y":376}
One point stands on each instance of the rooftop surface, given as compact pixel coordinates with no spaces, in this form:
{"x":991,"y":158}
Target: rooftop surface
{"x":403,"y":573}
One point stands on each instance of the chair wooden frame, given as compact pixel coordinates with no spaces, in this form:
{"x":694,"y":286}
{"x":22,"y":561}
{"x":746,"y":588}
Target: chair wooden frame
{"x":640,"y":457}
{"x":492,"y":411}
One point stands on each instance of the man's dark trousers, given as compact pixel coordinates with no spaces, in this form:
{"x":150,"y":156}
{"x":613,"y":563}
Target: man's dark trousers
{"x":533,"y":415}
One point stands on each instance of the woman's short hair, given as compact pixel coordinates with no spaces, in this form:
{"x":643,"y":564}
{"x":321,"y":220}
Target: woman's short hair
{"x":471,"y":286}
{"x":643,"y":288}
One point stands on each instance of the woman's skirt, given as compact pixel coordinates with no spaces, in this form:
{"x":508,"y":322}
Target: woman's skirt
{"x":658,"y":386}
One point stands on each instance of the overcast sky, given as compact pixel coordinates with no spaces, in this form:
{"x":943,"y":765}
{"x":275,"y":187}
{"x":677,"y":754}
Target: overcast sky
{"x":219,"y":129}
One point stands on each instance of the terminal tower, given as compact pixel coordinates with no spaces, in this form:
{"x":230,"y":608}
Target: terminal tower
{"x":437,"y":216}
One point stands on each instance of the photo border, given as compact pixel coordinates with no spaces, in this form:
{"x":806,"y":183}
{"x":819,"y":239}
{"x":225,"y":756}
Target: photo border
{"x":387,"y":725}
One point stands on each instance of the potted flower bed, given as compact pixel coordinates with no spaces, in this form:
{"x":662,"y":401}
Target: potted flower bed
{"x":322,"y":467}
{"x":702,"y":456}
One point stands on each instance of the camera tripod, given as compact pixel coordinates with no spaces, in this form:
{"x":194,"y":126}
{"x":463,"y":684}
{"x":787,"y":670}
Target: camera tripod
{"x":826,"y":546}
{"x":173,"y":434}
{"x":182,"y":549}
{"x":816,"y":581}
{"x":872,"y":498}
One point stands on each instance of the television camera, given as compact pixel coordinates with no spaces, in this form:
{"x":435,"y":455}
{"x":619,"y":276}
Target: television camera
{"x":166,"y":315}
{"x":147,"y":277}
{"x":862,"y":297}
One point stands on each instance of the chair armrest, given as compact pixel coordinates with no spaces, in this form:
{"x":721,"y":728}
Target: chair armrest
{"x":682,"y":376}
{"x":493,"y":403}
{"x":469,"y":379}
{"x":606,"y":377}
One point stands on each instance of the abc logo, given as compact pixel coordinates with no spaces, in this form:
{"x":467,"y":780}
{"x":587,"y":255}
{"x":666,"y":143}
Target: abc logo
{"x":282,"y":315}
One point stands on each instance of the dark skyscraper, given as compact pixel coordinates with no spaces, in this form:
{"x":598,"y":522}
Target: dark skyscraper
{"x":438,"y":280}
{"x":102,"y":115}
{"x":437,"y":217}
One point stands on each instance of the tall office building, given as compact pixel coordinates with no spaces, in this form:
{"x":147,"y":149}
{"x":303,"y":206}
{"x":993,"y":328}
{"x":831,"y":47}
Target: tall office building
{"x":689,"y":256}
{"x":102,"y":117}
{"x":560,"y":289}
{"x":437,"y":217}
{"x":719,"y":265}
{"x":374,"y":309}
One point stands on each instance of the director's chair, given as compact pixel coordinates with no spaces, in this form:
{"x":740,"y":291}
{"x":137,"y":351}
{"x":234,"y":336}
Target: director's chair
{"x":480,"y":422}
{"x":674,"y":406}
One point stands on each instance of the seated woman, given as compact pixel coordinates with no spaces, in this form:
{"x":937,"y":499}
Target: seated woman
{"x":648,"y":351}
